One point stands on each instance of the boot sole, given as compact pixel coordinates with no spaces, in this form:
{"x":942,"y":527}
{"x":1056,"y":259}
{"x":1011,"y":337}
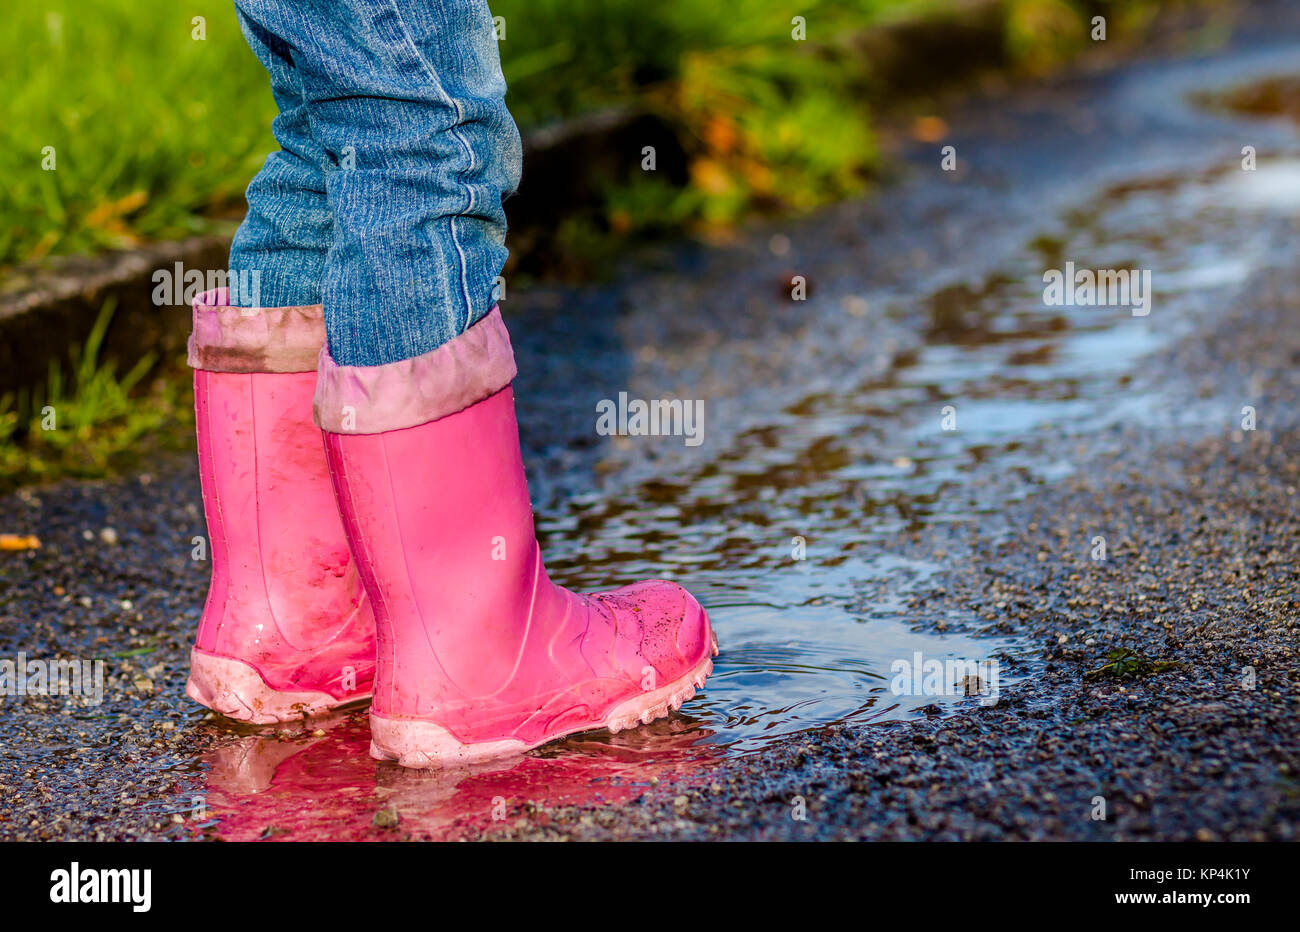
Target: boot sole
{"x":237,"y":690}
{"x":425,"y":745}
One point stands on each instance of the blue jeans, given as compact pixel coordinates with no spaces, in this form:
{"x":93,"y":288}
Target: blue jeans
{"x":396,"y":149}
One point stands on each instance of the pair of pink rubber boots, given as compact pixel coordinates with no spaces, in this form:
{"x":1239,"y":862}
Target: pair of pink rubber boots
{"x":397,"y":561}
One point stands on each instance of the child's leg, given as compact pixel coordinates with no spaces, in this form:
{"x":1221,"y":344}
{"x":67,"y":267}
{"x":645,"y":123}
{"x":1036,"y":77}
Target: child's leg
{"x":478,"y":653}
{"x":408,"y":101}
{"x":286,"y":630}
{"x":286,"y":233}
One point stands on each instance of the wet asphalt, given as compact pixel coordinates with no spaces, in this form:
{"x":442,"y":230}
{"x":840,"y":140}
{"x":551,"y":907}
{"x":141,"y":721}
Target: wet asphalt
{"x":925,"y":296}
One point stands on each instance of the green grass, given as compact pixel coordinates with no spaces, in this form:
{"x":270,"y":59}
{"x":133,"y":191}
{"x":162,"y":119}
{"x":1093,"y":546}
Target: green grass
{"x":155,"y":133}
{"x":92,"y":420}
{"x":555,"y":48}
{"x":1124,"y":664}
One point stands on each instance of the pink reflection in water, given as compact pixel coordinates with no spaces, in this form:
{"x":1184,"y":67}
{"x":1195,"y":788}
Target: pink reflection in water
{"x":295,"y":785}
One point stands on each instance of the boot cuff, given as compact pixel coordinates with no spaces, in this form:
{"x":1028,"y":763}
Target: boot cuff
{"x":254,"y":339}
{"x":374,"y":399}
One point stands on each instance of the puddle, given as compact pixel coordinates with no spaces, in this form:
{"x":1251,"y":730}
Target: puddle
{"x":791,"y":535}
{"x":1273,"y":186}
{"x":848,"y":472}
{"x":1275,"y":96}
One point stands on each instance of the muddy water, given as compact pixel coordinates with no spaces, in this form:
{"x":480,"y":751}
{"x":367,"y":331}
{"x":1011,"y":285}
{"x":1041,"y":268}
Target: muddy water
{"x":790,"y":532}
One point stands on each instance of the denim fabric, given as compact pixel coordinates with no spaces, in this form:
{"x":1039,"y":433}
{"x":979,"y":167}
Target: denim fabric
{"x":396,"y":149}
{"x":288,"y":227}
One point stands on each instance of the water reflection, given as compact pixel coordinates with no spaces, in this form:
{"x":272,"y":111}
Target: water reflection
{"x":319,"y":783}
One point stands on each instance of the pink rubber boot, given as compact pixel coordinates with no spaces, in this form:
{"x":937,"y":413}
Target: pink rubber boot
{"x":480,"y":654}
{"x":287,"y":630}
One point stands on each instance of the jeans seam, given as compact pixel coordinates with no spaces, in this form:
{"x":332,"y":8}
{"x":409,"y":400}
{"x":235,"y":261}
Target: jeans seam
{"x":465,"y":147}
